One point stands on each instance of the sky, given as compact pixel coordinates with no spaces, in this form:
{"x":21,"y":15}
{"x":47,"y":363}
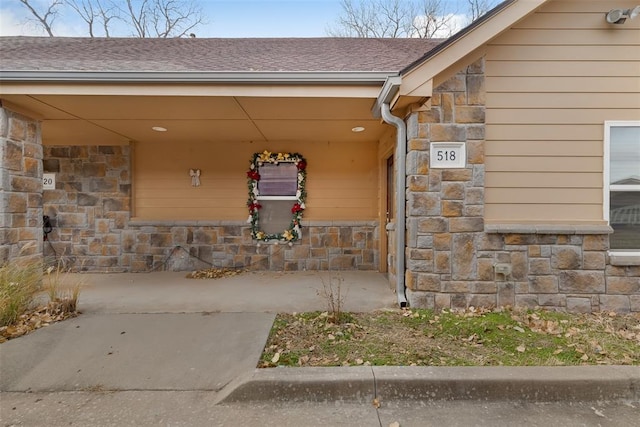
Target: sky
{"x":226,"y":18}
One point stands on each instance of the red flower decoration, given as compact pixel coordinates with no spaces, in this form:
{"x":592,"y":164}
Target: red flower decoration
{"x":296,"y":208}
{"x":254,"y":175}
{"x":301,"y":165}
{"x":254,"y":206}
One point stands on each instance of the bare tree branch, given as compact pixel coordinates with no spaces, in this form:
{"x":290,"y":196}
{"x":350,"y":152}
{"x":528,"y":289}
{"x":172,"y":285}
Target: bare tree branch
{"x":46,"y":18}
{"x":477,"y":8}
{"x":137,"y":16}
{"x":175,"y":18}
{"x":377,"y":18}
{"x":430,"y":20}
{"x":393,"y":18}
{"x":162,"y":18}
{"x":404,"y":18}
{"x":396,"y":16}
{"x":84,"y":8}
{"x":106,"y":13}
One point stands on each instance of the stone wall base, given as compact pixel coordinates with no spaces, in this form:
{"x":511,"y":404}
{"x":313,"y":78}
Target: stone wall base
{"x":180,"y":247}
{"x":559,"y":272}
{"x":154,"y":246}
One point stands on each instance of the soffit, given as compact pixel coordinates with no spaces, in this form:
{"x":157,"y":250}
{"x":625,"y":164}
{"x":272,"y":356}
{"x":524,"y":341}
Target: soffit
{"x":109,"y":119}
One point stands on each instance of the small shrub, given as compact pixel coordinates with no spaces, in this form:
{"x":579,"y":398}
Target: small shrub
{"x":19,"y":284}
{"x":332,"y":293}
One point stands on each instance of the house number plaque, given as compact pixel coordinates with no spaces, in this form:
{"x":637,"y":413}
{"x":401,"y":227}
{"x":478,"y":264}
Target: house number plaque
{"x":48,"y":181}
{"x":448,"y":155}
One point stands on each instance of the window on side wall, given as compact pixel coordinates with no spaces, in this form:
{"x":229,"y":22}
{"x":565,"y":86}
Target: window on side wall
{"x":622,"y":185}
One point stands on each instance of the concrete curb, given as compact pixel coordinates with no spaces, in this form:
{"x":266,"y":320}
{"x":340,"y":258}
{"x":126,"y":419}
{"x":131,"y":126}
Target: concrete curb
{"x":362,"y":384}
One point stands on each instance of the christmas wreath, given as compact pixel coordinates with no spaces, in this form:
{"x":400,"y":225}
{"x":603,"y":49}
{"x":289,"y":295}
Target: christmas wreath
{"x":293,"y":233}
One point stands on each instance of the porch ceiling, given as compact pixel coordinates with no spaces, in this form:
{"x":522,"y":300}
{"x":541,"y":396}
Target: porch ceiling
{"x":118,"y":119}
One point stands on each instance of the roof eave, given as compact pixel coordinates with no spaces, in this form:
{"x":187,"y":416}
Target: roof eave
{"x":253,"y":77}
{"x":387,"y":94}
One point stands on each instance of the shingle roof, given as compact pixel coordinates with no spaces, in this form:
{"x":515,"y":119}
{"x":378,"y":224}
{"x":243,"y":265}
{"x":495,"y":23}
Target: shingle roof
{"x":210,"y":55}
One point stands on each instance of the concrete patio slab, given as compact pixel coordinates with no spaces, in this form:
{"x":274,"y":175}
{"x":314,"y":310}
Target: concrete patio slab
{"x":172,"y":292}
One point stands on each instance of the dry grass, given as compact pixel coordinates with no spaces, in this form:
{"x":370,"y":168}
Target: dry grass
{"x":25,"y":282}
{"x":453,"y":338}
{"x":19,"y":283}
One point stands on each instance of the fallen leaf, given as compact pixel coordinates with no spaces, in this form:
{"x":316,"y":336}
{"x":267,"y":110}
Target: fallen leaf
{"x":303,"y":360}
{"x":376,"y":403}
{"x":518,"y":328}
{"x":275,"y":358}
{"x":521,"y":348}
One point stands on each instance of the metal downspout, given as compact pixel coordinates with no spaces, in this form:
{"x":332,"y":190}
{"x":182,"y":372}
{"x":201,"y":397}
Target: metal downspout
{"x":401,"y":161}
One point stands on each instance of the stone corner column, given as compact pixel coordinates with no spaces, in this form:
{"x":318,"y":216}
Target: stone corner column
{"x":20,"y":187}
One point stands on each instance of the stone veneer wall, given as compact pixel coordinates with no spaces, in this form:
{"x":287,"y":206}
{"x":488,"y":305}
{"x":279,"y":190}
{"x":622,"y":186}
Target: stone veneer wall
{"x":180,"y":245}
{"x":90,"y":207}
{"x":21,"y":187}
{"x":451,"y":253}
{"x":93,"y":230}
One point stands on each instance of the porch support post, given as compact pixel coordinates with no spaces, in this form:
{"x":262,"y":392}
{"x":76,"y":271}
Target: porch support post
{"x":20,"y":188}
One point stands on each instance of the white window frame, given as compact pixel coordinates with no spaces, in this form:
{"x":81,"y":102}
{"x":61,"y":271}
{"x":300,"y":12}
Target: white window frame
{"x":606,"y":177}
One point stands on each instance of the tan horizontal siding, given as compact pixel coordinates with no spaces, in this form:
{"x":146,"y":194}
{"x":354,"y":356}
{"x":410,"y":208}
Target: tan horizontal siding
{"x":221,"y":203}
{"x":564,"y":84}
{"x":539,"y":213}
{"x":543,"y":180}
{"x":543,"y":164}
{"x":571,"y":6}
{"x":573,"y":16}
{"x":342,"y":180}
{"x":331,"y":213}
{"x":333,"y":203}
{"x":558,"y":116}
{"x":185,"y":213}
{"x":550,"y":148}
{"x":544,"y":132}
{"x":548,"y":196}
{"x":551,"y":83}
{"x":624,"y":68}
{"x":568,"y":36}
{"x":602,"y":101}
{"x":560,"y":53}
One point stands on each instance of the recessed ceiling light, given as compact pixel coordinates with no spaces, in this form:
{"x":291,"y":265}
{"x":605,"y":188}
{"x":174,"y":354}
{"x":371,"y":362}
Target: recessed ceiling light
{"x":159,"y":129}
{"x":357,"y":129}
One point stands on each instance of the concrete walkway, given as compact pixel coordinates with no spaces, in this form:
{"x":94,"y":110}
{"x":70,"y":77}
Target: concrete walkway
{"x":162,"y":331}
{"x":158,"y":348}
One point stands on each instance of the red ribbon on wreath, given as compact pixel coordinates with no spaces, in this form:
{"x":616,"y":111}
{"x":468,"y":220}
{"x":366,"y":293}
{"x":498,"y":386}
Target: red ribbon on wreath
{"x":254,"y":175}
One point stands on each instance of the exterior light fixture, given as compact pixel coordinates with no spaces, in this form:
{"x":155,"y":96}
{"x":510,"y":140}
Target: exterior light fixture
{"x":618,"y":16}
{"x":357,"y":129}
{"x":159,"y":129}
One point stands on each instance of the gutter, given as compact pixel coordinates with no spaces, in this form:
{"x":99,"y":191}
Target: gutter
{"x":382,"y":109}
{"x":252,"y":77}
